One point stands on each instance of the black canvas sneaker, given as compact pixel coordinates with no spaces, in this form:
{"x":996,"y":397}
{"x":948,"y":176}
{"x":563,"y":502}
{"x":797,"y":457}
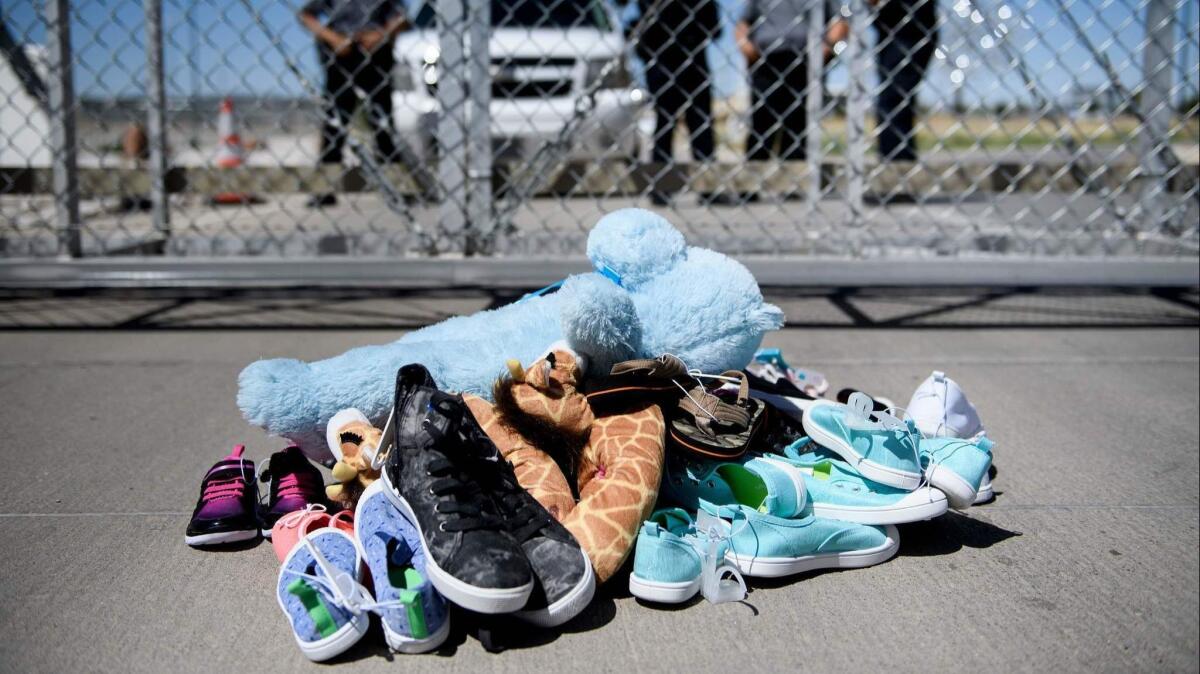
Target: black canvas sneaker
{"x":430,"y":474}
{"x":563,"y":579}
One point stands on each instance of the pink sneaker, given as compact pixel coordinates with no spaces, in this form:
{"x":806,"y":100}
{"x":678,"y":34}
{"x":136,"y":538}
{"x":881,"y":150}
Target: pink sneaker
{"x":293,"y":526}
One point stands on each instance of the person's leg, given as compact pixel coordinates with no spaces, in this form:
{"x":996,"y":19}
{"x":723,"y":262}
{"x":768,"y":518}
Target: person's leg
{"x":376,"y":80}
{"x":662,"y":80}
{"x":762,"y":118}
{"x":893,"y":118}
{"x":909,"y":82}
{"x":697,"y":87}
{"x":795,"y":115}
{"x":338,"y":103}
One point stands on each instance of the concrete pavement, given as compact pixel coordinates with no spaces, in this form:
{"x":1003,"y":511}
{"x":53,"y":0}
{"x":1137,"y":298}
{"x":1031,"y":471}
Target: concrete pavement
{"x":1088,"y":559}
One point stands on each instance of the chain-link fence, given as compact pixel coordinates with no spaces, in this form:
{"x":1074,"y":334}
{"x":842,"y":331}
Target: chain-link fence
{"x":340,"y":130}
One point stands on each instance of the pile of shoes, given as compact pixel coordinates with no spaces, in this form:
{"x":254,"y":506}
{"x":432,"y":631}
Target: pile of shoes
{"x":828,"y":499}
{"x":761,"y":476}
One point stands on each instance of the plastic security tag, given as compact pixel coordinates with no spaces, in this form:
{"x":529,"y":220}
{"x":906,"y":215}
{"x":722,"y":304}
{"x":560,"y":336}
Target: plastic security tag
{"x":385,"y":442}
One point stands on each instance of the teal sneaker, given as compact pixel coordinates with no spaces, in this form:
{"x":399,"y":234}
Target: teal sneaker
{"x":670,"y":559}
{"x":837,"y":491}
{"x":877,"y":445}
{"x":751,"y":480}
{"x":768,"y":546}
{"x":957,"y":467}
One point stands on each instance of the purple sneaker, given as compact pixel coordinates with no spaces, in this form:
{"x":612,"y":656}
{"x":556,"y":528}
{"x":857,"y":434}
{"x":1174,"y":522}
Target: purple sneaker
{"x":225,"y":512}
{"x":295,"y":485}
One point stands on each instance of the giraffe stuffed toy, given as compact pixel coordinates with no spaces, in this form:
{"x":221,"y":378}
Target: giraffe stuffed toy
{"x":544,"y":426}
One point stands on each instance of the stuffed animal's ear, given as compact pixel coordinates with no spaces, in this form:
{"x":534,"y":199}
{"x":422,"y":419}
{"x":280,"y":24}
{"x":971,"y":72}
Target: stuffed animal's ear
{"x":768,"y":317}
{"x":632,"y":245}
{"x":599,"y":321}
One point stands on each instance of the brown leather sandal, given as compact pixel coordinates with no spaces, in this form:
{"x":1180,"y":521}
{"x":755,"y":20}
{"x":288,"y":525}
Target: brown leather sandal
{"x":705,"y":424}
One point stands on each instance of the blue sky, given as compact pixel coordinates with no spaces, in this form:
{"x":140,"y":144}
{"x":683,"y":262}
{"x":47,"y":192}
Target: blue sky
{"x":231,"y":54}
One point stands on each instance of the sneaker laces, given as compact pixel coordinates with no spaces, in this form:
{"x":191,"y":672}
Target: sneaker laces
{"x":339,"y":587}
{"x":216,"y":489}
{"x":299,"y":485}
{"x":451,"y":479}
{"x":293,"y":519}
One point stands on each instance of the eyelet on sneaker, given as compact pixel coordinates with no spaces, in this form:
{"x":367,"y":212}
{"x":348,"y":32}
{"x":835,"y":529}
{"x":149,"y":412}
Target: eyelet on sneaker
{"x":442,"y":527}
{"x":430,"y":490}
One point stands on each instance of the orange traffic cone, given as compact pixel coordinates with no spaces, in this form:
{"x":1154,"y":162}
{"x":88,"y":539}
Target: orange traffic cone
{"x":229,"y":153}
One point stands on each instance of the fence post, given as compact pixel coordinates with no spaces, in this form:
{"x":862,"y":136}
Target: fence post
{"x":1157,"y":58}
{"x":856,"y":111}
{"x":156,"y":128}
{"x":452,"y":122}
{"x":479,"y":134}
{"x":815,"y":101}
{"x":63,"y":144}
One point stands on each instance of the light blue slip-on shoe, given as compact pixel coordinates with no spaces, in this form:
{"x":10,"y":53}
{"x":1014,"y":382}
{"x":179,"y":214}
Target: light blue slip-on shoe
{"x":666,"y":564}
{"x":768,"y":546}
{"x":752,"y":481}
{"x":414,"y":615}
{"x":669,"y":562}
{"x":957,"y":467}
{"x":886,"y":454}
{"x":837,"y":491}
{"x":320,"y":570}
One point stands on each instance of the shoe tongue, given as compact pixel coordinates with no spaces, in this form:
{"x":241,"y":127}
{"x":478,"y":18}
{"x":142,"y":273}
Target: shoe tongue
{"x":784,"y":485}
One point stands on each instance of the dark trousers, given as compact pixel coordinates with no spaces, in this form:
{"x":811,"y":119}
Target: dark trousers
{"x":344,"y":77}
{"x":901,"y":65}
{"x":778,"y":82}
{"x":681,"y":85}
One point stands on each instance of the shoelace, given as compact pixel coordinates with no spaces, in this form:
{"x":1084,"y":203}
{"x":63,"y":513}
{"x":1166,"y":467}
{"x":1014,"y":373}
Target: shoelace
{"x":340,"y":587}
{"x":293,"y":519}
{"x":721,"y":582}
{"x":449,"y":479}
{"x":298,"y":485}
{"x":226,"y":488}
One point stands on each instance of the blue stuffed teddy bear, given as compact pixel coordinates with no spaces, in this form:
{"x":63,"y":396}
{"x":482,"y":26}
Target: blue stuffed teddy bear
{"x":650,"y":294}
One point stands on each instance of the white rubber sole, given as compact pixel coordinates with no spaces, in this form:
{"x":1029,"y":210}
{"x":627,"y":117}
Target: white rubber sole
{"x":775,"y":567}
{"x":478,"y":599}
{"x":892,"y":477}
{"x":569,"y":606}
{"x":405,"y":644}
{"x":922,"y":504}
{"x":958,"y":491}
{"x":985,"y":492}
{"x":221,"y":538}
{"x":340,"y":641}
{"x":662,"y":592}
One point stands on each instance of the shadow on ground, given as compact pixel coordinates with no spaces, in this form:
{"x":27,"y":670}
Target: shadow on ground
{"x":391,"y":309}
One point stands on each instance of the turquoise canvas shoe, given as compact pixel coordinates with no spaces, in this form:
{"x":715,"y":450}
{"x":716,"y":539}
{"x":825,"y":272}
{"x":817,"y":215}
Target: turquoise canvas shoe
{"x":751,"y":480}
{"x":670,"y":560}
{"x":957,"y":467}
{"x":769,"y":546}
{"x":837,"y":491}
{"x":877,"y":445}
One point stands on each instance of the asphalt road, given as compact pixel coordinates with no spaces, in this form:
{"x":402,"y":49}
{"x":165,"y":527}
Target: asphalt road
{"x":1087,"y":560}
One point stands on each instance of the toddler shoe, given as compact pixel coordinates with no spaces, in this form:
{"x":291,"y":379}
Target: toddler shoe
{"x":765,"y":544}
{"x":290,"y":528}
{"x":876,"y":444}
{"x":672,"y":562}
{"x":295,"y":485}
{"x":940,"y":408}
{"x":320,"y":592}
{"x":957,"y":467}
{"x":430,"y":475}
{"x":226,"y":511}
{"x":414,"y":615}
{"x":838,"y":492}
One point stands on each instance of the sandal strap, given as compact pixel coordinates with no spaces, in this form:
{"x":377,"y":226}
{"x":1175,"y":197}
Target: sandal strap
{"x":666,"y":366}
{"x":705,"y":407}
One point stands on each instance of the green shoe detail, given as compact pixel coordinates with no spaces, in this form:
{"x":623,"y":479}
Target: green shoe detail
{"x":315,"y":605}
